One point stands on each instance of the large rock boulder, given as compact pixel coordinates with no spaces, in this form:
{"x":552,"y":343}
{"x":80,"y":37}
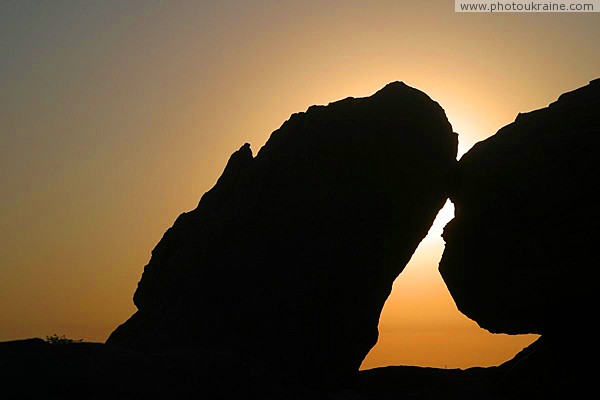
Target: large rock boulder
{"x":291,"y":256}
{"x":521,"y":252}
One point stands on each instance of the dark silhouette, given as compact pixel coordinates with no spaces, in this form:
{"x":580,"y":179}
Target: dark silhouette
{"x":553,"y":367}
{"x":521,"y":251}
{"x":33,"y":368}
{"x":55,"y":339}
{"x":272,"y":287}
{"x":36,"y":369}
{"x":291,"y":256}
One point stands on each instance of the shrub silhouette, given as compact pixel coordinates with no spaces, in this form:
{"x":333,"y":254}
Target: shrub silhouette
{"x":55,"y":339}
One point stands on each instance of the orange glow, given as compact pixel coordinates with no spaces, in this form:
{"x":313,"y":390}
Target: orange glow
{"x":117,"y":118}
{"x":420,"y":324}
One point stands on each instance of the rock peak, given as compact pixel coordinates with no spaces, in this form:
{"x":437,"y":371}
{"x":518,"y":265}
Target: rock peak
{"x":394,"y":86}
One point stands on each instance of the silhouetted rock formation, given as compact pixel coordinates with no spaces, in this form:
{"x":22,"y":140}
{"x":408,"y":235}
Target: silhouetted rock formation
{"x":522,"y":249}
{"x":553,"y":367}
{"x":32,"y":369}
{"x":276,"y":280}
{"x":291,"y":256}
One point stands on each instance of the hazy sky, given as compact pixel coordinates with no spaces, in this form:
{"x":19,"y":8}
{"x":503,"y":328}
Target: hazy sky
{"x":116,"y":116}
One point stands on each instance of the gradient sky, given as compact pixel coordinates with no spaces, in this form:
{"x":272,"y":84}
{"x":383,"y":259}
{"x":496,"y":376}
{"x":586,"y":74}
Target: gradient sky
{"x":116,"y":116}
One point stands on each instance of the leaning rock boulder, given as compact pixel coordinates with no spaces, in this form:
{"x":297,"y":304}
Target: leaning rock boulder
{"x":521,"y":252}
{"x":291,"y":256}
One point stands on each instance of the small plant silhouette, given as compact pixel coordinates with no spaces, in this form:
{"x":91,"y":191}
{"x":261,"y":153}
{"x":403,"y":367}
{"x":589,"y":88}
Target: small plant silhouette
{"x":55,"y":339}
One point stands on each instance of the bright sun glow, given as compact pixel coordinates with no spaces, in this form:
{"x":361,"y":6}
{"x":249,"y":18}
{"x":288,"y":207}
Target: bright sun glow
{"x":118,"y":117}
{"x":443,"y":217}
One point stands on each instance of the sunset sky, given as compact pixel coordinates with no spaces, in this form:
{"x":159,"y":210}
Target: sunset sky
{"x":116,"y":116}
